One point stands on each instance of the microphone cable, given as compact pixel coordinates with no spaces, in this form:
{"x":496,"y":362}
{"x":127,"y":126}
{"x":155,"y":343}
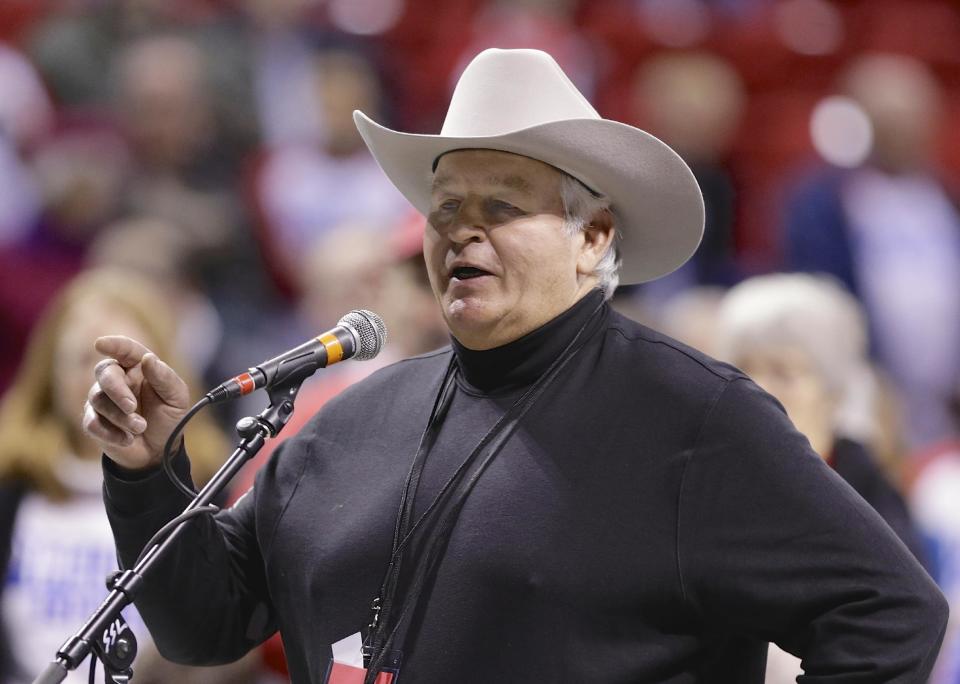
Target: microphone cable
{"x":169,"y":454}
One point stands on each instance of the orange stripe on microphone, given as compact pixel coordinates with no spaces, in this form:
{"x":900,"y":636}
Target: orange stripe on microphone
{"x":247,"y":385}
{"x":334,"y":348}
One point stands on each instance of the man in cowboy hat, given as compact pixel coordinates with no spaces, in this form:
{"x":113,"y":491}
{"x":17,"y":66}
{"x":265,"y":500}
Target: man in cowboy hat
{"x":561,"y":494}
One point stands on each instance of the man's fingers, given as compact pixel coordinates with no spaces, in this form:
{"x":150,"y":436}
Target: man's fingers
{"x":165,"y":382}
{"x":127,"y":351}
{"x":102,"y":430}
{"x":104,"y":406}
{"x":112,"y":382}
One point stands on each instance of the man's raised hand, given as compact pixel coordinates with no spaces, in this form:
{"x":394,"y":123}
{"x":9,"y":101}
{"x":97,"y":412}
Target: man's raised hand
{"x":134,"y":403}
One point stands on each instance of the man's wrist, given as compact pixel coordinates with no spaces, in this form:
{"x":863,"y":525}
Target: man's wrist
{"x":125,"y":474}
{"x":134,"y":492}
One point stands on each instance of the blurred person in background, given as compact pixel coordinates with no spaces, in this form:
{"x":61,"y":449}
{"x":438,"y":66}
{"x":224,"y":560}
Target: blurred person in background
{"x":283,"y":70}
{"x":74,"y":46}
{"x":538,"y":24}
{"x":56,"y":548}
{"x":803,"y":339}
{"x":889,"y":230}
{"x":406,"y":297}
{"x":158,"y":251}
{"x":304,"y":190}
{"x":347,"y":263}
{"x":185,"y":168}
{"x":694,"y":102}
{"x":26,"y":114}
{"x":79,"y":171}
{"x":358,"y":263}
{"x":165,"y":108}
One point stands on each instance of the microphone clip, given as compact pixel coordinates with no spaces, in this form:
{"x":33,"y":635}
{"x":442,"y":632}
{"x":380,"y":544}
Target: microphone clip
{"x":271,"y":420}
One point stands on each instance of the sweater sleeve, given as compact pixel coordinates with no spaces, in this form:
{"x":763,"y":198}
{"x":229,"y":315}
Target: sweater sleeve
{"x":856,"y":466}
{"x":773,"y":545}
{"x":206,"y":602}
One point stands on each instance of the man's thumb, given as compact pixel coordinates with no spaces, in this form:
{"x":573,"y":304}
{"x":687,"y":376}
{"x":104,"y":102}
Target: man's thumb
{"x":165,"y":381}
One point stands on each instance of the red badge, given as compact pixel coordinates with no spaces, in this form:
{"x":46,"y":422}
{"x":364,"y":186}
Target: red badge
{"x":346,"y":667}
{"x":348,"y":674}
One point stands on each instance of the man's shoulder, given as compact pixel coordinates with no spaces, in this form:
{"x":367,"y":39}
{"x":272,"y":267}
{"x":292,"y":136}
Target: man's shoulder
{"x":405,"y":374}
{"x":409,"y":381}
{"x":658,"y":357}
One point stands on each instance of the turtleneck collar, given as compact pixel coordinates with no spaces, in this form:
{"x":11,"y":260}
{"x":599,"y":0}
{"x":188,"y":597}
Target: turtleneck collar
{"x":522,"y":361}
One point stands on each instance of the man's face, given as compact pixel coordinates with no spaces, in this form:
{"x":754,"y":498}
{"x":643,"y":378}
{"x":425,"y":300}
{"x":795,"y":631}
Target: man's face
{"x":499,"y":260}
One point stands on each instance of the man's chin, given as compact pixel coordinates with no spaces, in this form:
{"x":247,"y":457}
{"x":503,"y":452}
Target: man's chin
{"x":470,"y":310}
{"x":470,"y":318}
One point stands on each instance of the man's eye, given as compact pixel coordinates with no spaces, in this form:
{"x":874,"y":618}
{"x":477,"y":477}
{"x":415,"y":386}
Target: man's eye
{"x":450,"y":205}
{"x":505,"y":208}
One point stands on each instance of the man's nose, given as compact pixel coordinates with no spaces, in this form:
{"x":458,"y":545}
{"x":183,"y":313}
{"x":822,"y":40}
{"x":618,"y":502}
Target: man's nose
{"x":468,"y":225}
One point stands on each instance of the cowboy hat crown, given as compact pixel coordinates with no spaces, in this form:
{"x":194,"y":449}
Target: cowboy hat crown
{"x":556,"y":98}
{"x":520,"y":101}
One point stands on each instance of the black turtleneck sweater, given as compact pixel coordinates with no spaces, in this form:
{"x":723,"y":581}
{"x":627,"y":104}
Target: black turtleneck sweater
{"x":655,"y":518}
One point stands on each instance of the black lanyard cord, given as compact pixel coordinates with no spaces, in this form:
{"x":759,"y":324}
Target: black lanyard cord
{"x":440,"y":406}
{"x":383,"y":604}
{"x":492,"y":442}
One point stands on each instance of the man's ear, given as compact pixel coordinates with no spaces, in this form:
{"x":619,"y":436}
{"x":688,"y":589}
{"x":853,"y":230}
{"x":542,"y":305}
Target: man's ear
{"x":596,"y":240}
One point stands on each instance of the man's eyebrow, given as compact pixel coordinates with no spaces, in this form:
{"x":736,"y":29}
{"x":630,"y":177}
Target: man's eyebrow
{"x":517,"y":183}
{"x":512,"y":182}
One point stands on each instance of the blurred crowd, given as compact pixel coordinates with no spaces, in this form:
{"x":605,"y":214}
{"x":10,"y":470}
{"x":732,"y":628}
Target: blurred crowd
{"x":188,"y":171}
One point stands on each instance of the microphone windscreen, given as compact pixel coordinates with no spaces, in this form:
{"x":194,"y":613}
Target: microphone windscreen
{"x":370,"y":331}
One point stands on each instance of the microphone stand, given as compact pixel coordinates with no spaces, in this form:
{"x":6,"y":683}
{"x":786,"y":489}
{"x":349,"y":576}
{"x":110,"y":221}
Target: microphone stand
{"x":105,"y":632}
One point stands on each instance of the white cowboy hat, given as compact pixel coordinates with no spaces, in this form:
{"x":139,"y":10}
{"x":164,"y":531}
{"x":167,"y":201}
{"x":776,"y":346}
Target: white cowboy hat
{"x":520,"y":101}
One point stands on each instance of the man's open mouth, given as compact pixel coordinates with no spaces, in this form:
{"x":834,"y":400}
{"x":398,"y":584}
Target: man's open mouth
{"x":468,"y":272}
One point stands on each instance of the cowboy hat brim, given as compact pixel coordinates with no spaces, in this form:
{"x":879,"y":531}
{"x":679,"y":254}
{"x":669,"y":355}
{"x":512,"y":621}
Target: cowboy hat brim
{"x":652,"y":192}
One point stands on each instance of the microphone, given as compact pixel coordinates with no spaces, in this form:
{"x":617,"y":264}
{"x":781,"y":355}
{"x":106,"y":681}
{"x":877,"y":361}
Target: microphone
{"x":360,"y":334}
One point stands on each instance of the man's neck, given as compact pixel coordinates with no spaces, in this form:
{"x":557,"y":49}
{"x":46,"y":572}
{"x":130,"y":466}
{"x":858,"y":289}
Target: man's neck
{"x":523,"y":360}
